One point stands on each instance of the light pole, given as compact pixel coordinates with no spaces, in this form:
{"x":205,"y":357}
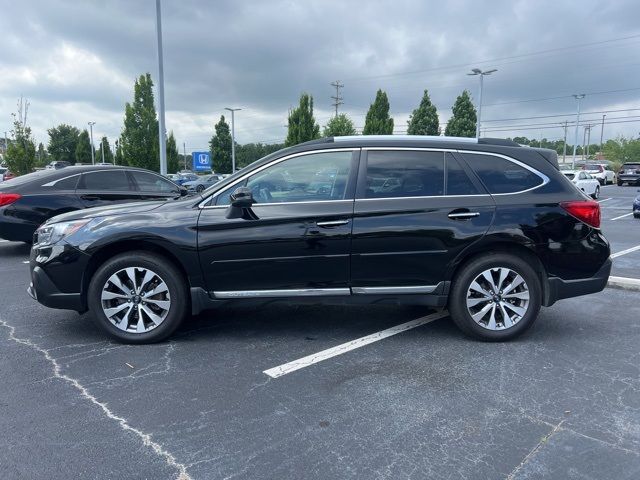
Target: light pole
{"x":578,"y":97}
{"x":601,"y":133}
{"x":93,"y":157}
{"x":161,"y":127}
{"x":184,"y":154}
{"x":477,"y":71}
{"x":564,"y":148}
{"x":102,"y":150}
{"x":233,"y":138}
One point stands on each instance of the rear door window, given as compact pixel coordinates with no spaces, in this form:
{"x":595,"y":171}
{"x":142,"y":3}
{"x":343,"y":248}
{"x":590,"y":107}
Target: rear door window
{"x":400,"y":173}
{"x":500,"y":175}
{"x":114,"y":180}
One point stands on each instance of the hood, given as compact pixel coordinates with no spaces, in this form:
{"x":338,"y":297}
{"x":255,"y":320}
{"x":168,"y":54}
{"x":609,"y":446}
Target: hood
{"x":108,"y":211}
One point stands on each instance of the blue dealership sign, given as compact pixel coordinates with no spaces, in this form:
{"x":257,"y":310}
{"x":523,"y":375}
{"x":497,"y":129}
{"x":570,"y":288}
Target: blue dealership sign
{"x":201,"y":161}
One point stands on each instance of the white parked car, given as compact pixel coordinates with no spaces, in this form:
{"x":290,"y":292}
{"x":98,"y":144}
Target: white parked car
{"x":584,"y":182}
{"x":600,"y":172}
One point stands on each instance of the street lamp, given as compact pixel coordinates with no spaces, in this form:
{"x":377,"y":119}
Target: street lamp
{"x":93,"y":158}
{"x":162,"y":136}
{"x":578,"y":97}
{"x":477,"y":71}
{"x":233,"y":138}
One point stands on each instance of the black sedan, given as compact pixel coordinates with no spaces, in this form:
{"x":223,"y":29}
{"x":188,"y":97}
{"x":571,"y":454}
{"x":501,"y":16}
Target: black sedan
{"x":28,"y":201}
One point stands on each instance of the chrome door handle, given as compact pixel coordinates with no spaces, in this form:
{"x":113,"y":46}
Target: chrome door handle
{"x":463,"y":215}
{"x":333,"y":223}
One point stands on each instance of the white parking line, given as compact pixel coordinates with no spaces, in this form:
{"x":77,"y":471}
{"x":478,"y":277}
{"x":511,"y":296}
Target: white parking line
{"x":309,"y":360}
{"x":624,"y":252}
{"x":605,"y":200}
{"x":622,"y":216}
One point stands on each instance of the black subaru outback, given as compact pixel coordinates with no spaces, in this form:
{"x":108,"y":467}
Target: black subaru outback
{"x":489,"y":229}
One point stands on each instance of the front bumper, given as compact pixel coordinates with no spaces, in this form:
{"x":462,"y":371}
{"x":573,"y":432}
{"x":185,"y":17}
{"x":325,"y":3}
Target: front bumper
{"x":559,"y":288}
{"x":57,"y":276}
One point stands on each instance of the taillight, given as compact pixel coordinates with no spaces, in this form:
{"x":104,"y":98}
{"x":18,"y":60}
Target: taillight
{"x":587,"y":211}
{"x":8,"y":198}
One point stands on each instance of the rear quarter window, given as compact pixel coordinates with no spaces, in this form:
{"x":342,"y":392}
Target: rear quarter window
{"x":500,"y":175}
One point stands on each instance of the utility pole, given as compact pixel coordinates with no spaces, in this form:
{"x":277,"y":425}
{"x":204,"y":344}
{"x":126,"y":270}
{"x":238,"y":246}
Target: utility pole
{"x":93,"y":155}
{"x":337,"y":100}
{"x":162,"y":130}
{"x":6,"y":145}
{"x":233,"y":139}
{"x":564,"y":148}
{"x":102,"y":150}
{"x":184,"y":154}
{"x":578,"y":97}
{"x":601,"y":132}
{"x":477,"y":71}
{"x":588,"y":127}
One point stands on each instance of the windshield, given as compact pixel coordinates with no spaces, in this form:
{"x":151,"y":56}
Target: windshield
{"x":21,"y":180}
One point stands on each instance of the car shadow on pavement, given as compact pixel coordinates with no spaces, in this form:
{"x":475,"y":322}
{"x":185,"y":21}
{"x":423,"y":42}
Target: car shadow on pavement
{"x":14,"y":250}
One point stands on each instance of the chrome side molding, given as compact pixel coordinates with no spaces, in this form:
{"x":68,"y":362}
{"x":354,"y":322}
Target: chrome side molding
{"x":394,"y":290}
{"x":323,"y":292}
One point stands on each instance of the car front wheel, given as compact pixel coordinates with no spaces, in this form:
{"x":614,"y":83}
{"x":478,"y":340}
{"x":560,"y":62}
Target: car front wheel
{"x":495,"y":297}
{"x":138,"y":297}
{"x":596,"y":193}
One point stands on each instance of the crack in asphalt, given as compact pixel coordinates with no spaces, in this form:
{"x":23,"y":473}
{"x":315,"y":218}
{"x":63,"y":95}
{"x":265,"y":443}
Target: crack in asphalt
{"x":535,"y":449}
{"x":121,"y":421}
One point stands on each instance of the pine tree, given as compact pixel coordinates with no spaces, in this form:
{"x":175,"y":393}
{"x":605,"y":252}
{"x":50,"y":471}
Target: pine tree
{"x":173,"y":161}
{"x":302,"y":124}
{"x":220,"y":147}
{"x":42,"y":157}
{"x":139,"y":138}
{"x":424,"y":119}
{"x":339,"y":126}
{"x":83,"y":148}
{"x":378,"y":121}
{"x":463,"y":122}
{"x":106,"y":148}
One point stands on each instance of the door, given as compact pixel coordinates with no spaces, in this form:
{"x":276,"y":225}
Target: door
{"x":297,"y":239}
{"x":152,"y":186}
{"x":105,"y":187}
{"x":415,"y":211}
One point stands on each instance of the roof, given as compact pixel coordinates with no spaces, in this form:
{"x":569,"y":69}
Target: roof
{"x":411,"y":139}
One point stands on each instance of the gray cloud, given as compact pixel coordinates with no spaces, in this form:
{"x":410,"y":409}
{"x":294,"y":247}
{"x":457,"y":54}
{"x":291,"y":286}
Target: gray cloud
{"x":76,"y":61}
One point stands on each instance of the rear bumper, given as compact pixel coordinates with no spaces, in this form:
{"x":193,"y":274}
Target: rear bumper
{"x":629,"y":178}
{"x":559,"y":288}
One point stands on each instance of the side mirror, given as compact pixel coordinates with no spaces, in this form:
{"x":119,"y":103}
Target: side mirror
{"x":242,"y":197}
{"x":183,"y":191}
{"x":241,"y":202}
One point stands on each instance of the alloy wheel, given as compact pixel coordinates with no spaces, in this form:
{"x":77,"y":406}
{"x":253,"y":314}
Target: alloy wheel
{"x":135,"y":299}
{"x":498,"y":298}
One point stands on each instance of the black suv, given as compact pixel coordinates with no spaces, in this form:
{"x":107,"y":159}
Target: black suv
{"x":487,"y":228}
{"x":630,"y":173}
{"x":26,"y":202}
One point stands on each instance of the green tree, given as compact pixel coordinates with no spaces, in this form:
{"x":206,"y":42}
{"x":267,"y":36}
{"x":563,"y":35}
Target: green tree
{"x":63,"y":141}
{"x":424,"y":119}
{"x":117,"y":157}
{"x":250,"y":152}
{"x":173,"y":161}
{"x":108,"y":154}
{"x":42,"y":156}
{"x":339,"y":126}
{"x":463,"y":122}
{"x":220,"y":147}
{"x":21,"y":153}
{"x":139,"y":138}
{"x":621,"y":150}
{"x":83,"y":148}
{"x":302,"y":124}
{"x":378,"y":121}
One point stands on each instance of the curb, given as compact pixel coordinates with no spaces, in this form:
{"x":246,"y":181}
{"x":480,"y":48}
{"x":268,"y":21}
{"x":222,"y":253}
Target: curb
{"x":624,"y":283}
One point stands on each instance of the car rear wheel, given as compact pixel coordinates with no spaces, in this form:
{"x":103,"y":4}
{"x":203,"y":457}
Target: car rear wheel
{"x":596,"y":194}
{"x":495,"y":297}
{"x":138,"y":298}
{"x":199,"y":188}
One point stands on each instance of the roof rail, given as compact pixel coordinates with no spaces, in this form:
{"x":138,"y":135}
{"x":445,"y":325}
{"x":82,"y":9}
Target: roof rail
{"x":432,"y":138}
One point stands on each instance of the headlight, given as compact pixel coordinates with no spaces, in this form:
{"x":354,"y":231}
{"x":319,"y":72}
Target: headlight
{"x":51,"y":233}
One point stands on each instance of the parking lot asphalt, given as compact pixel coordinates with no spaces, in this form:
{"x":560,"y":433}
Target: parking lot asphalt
{"x":562,"y":401}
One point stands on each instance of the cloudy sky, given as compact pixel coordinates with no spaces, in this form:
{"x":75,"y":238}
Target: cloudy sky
{"x":76,"y":61}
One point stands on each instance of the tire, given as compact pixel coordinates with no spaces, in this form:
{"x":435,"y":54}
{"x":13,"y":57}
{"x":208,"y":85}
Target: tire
{"x":619,"y":183}
{"x":501,"y":330}
{"x":596,"y":194}
{"x":199,"y":188}
{"x":163,"y":310}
